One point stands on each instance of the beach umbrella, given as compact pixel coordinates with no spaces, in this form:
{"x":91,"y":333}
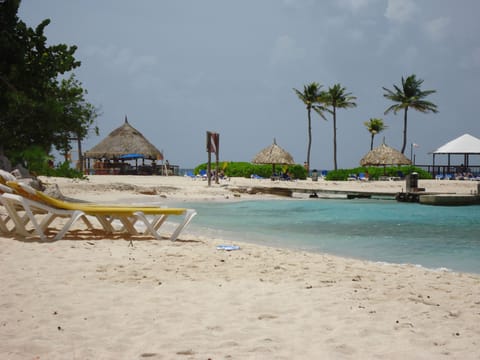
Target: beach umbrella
{"x":274,"y":155}
{"x":131,"y":156}
{"x":384,"y":155}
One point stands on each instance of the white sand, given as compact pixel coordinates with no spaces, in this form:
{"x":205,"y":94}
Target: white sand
{"x":95,"y":298}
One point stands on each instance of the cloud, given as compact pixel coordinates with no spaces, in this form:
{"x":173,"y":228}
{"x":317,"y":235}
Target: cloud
{"x":436,"y":29}
{"x":298,"y":3}
{"x":354,"y":5}
{"x":141,"y":62}
{"x":123,"y":59}
{"x":356,"y":35}
{"x":410,"y":55}
{"x":285,"y":50}
{"x":472,"y":60}
{"x":400,"y":11}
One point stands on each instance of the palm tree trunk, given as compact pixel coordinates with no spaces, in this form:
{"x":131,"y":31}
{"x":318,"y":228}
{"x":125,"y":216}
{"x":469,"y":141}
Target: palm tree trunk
{"x":404,"y":130}
{"x":371,"y":142}
{"x":334,"y":138}
{"x":309,"y":138}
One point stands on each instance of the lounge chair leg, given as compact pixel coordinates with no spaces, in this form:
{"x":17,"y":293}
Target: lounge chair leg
{"x":190,"y":213}
{"x":128,"y":225}
{"x":75,"y":216}
{"x":150,"y":228}
{"x":3,"y":225}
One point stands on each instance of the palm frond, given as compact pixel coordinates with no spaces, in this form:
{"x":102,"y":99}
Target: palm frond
{"x":337,"y":97}
{"x":319,"y":109}
{"x":310,"y":94}
{"x":395,"y":108}
{"x":424,"y":106}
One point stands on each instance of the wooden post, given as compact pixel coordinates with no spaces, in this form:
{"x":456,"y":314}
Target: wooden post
{"x":209,"y":161}
{"x":213,"y":143}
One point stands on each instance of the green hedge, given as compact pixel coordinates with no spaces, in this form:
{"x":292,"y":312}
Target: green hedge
{"x":374,"y":173}
{"x":39,"y":162}
{"x":246,"y":170}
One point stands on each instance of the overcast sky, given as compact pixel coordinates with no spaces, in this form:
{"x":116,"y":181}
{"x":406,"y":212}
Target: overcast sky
{"x":178,"y":68}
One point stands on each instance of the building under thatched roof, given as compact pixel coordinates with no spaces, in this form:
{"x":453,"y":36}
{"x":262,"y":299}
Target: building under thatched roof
{"x":384,"y":155}
{"x":123,"y":141}
{"x":273,"y":154}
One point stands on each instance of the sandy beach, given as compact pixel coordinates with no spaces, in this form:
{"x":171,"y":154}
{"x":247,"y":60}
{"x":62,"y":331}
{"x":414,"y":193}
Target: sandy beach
{"x":100,"y":297}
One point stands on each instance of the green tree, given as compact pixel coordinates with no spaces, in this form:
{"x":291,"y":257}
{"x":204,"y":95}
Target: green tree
{"x":311,"y":97}
{"x":36,"y":106}
{"x":374,"y":127}
{"x":78,"y":115}
{"x":337,"y":98}
{"x":409,"y":96}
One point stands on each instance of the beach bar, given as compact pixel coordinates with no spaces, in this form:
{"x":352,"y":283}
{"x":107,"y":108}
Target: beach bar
{"x":125,"y":151}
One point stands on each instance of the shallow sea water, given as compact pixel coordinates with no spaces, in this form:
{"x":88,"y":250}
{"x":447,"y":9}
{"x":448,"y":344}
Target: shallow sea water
{"x":377,"y":230}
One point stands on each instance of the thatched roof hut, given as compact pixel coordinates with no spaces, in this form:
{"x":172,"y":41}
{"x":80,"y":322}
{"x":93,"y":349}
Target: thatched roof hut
{"x":273,"y":154}
{"x":384,"y":155}
{"x":123,"y":141}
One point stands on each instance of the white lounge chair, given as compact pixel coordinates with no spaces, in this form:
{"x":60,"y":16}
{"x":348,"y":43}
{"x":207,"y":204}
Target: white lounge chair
{"x":39,"y":215}
{"x":151,"y":216}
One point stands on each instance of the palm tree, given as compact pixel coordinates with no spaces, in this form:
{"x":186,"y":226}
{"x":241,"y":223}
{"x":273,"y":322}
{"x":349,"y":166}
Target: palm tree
{"x":311,"y":98}
{"x":409,"y":96}
{"x":337,"y":98}
{"x":374,"y":127}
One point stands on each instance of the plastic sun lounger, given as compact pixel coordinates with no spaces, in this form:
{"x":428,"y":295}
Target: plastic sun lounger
{"x":15,"y":219}
{"x":39,"y":225}
{"x":106,"y":214}
{"x":4,"y":218}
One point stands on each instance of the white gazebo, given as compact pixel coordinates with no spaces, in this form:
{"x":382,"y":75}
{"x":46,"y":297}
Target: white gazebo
{"x":464,"y":145}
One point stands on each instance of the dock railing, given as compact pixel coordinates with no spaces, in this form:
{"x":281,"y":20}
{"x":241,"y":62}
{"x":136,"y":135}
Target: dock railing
{"x":451,"y":171}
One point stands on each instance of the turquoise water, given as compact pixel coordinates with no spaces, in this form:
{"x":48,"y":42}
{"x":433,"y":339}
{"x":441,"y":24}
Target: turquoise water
{"x":378,"y":230}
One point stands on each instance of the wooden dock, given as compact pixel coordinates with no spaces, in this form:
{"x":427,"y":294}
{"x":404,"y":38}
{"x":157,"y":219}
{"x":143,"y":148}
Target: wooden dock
{"x":422,"y":197}
{"x":450,"y":199}
{"x":317,"y":193}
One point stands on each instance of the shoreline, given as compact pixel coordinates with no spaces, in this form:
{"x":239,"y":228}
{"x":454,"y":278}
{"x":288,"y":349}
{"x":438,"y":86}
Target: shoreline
{"x":182,"y":188}
{"x":175,"y":191}
{"x":102,"y":298}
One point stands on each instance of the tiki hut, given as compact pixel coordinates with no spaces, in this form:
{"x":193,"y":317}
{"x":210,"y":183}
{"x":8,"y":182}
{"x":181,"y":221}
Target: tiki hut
{"x":123,"y":144}
{"x":384,"y":155}
{"x":274,"y":155}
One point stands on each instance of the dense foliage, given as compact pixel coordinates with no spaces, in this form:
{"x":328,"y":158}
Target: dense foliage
{"x":41,"y":164}
{"x":42,"y":105}
{"x":375,"y":173}
{"x":246,"y":169}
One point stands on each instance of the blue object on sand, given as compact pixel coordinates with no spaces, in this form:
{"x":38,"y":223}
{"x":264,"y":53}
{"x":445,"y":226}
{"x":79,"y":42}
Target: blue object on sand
{"x":228,"y":247}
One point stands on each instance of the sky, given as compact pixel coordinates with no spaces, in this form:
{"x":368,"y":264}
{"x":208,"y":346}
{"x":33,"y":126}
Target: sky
{"x":180,"y":68}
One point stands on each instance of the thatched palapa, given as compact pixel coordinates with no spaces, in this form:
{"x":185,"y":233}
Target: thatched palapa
{"x":384,"y":155}
{"x":123,"y":141}
{"x":274,"y":155}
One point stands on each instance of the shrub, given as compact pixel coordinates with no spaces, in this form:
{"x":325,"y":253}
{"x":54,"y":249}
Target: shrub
{"x":65,"y":170}
{"x":374,"y":172}
{"x":246,"y":169}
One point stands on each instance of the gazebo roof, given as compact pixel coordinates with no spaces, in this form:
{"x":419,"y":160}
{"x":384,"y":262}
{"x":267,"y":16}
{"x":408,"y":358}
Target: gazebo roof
{"x":465,"y":144}
{"x":123,"y":141}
